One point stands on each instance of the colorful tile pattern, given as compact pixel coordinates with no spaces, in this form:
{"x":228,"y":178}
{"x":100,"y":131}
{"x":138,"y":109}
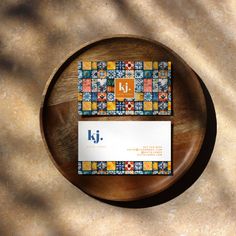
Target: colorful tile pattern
{"x":124,"y":167}
{"x":124,"y":88}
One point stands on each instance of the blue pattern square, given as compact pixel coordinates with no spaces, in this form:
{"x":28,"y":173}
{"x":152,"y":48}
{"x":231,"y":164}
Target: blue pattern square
{"x":162,"y":165}
{"x":120,"y":73}
{"x":154,"y":97}
{"x":120,"y":65}
{"x":120,"y":165}
{"x":138,"y":106}
{"x":138,"y":165}
{"x":110,"y":97}
{"x":111,"y":74}
{"x":147,"y":74}
{"x":129,"y":73}
{"x":148,"y":97}
{"x":138,"y":74}
{"x":87,"y":74}
{"x":102,"y":65}
{"x":163,"y":106}
{"x":102,"y":106}
{"x":138,"y":65}
{"x":101,"y":165}
{"x":94,"y":97}
{"x":138,"y":85}
{"x":120,"y":106}
{"x":87,"y":97}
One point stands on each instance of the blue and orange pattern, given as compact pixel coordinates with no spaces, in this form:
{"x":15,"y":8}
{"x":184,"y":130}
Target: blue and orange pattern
{"x":124,"y":168}
{"x":96,"y":88}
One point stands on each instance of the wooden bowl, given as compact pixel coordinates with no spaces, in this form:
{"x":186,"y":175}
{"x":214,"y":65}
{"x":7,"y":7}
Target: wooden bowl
{"x":58,"y":118}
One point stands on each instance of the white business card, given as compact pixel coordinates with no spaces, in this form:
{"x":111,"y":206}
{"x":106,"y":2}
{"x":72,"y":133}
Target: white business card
{"x":124,"y":141}
{"x":124,"y":147}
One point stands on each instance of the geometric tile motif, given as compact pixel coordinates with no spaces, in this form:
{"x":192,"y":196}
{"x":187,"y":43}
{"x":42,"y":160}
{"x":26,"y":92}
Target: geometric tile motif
{"x":152,"y":88}
{"x":124,"y":167}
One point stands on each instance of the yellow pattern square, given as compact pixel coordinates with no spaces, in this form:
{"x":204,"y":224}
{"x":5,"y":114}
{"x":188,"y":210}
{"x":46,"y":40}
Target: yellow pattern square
{"x":111,"y":65}
{"x":147,"y":165}
{"x":147,"y":65}
{"x":111,"y":165}
{"x":155,"y":65}
{"x":80,"y":97}
{"x":111,"y":106}
{"x":138,"y":96}
{"x":94,"y":65}
{"x":155,"y":106}
{"x":86,"y":165}
{"x":94,"y":165}
{"x":87,"y":65}
{"x":169,"y":65}
{"x":147,"y":106}
{"x":86,"y":106}
{"x":94,"y":106}
{"x":169,"y":165}
{"x":155,"y":165}
{"x":169,"y":106}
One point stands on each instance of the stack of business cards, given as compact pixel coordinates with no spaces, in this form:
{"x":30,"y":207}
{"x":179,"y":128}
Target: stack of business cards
{"x":124,"y":147}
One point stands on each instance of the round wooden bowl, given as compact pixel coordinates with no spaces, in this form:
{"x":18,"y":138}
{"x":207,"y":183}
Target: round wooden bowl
{"x":58,"y":118}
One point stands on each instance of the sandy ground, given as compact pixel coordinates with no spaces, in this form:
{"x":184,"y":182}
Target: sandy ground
{"x":35,"y":36}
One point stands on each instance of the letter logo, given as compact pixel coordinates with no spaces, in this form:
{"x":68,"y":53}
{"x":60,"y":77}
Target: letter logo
{"x":94,"y":136}
{"x":124,"y":88}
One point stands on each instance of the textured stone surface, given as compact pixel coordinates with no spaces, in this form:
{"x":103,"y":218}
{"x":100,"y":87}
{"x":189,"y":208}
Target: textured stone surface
{"x":35,"y":36}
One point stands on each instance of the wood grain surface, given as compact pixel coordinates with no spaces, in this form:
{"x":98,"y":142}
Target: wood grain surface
{"x":58,"y":118}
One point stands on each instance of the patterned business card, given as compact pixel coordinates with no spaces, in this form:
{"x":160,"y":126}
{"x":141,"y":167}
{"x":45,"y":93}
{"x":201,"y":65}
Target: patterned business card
{"x":124,"y":88}
{"x":145,"y":150}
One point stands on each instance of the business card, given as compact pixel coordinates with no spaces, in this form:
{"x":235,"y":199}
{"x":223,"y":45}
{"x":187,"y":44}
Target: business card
{"x":124,"y":88}
{"x":124,"y":147}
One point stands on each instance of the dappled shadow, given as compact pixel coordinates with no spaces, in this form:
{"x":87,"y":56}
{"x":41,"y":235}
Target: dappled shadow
{"x":181,"y":17}
{"x":54,"y":42}
{"x":12,"y":65}
{"x":28,"y":12}
{"x":193,"y":173}
{"x":25,"y":11}
{"x":132,"y":18}
{"x":24,"y":196}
